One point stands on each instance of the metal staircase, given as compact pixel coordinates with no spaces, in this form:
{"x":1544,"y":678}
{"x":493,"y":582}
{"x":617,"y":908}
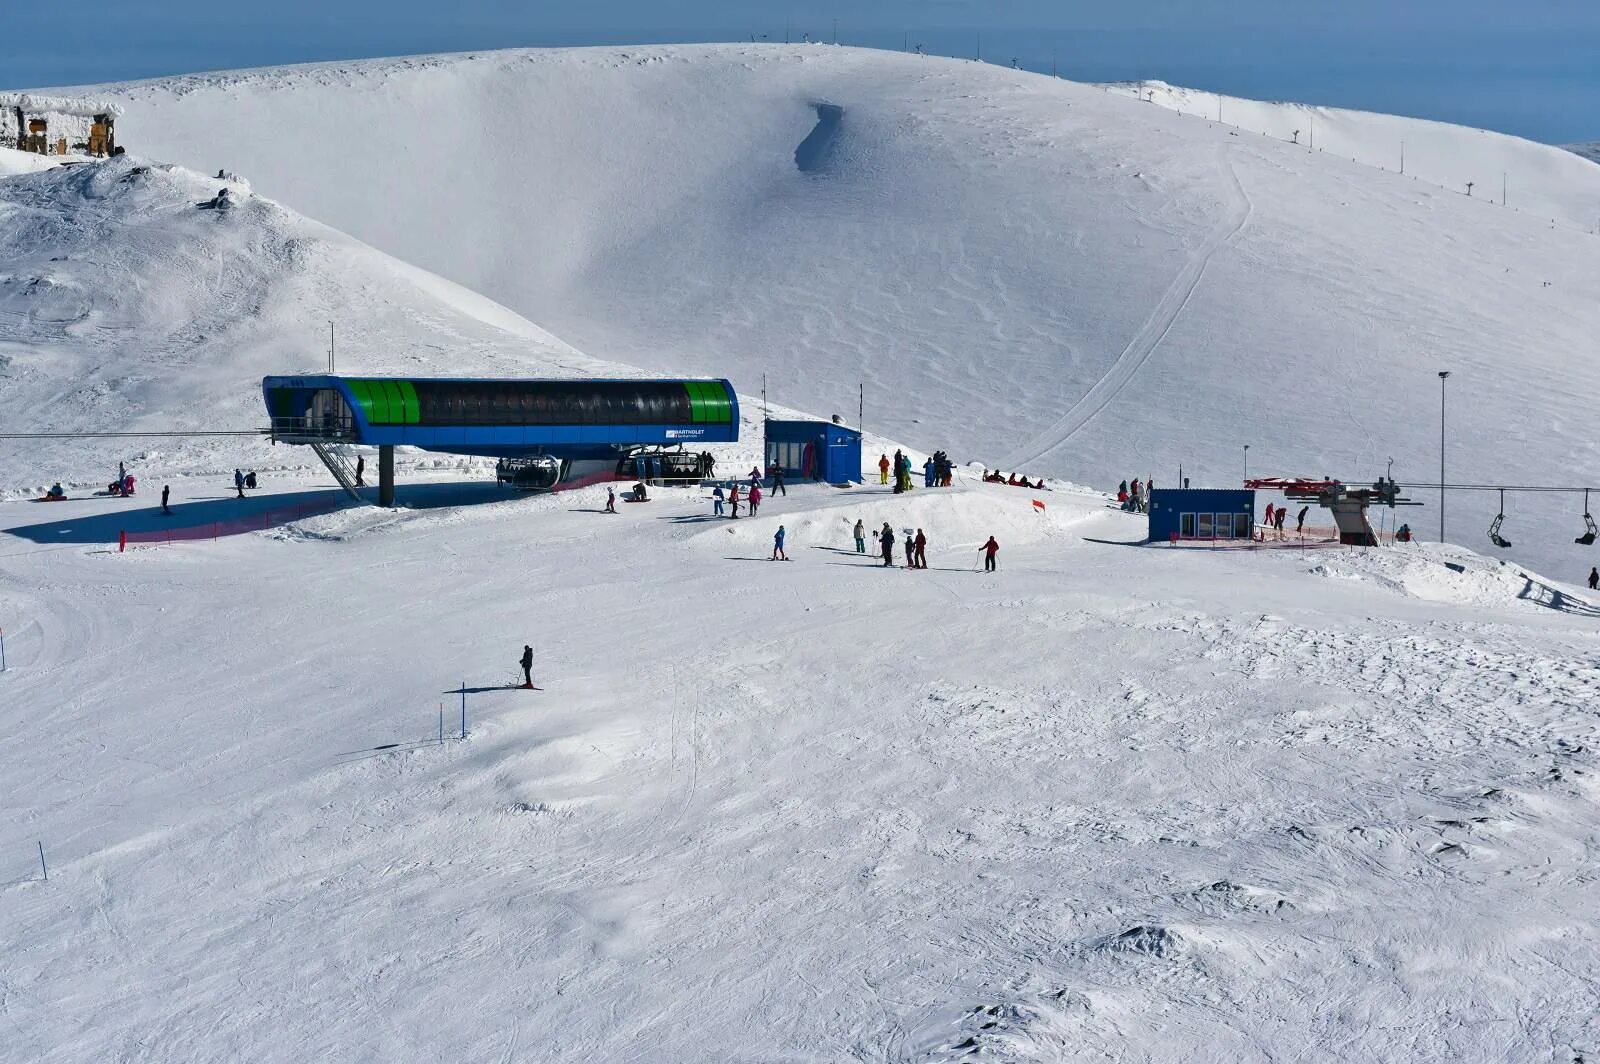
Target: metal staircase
{"x":341,"y":469}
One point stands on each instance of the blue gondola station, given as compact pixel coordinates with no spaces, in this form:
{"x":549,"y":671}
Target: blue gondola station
{"x":548,"y":434}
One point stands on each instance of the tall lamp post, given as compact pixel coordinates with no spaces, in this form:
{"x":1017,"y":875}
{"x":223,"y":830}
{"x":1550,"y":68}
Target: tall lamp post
{"x":1443,"y":376}
{"x":1247,"y":461}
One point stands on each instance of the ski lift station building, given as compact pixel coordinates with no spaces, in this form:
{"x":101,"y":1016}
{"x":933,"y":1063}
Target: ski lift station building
{"x":1202,"y":513}
{"x":575,"y":430}
{"x":814,"y":450}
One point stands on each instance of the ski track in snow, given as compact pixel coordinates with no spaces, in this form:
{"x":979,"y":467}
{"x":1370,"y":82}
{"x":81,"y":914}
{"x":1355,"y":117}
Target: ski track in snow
{"x":1155,"y":329}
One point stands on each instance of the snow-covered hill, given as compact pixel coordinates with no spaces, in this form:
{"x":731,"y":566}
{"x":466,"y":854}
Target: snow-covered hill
{"x":1537,"y":179}
{"x":1025,"y":271}
{"x":131,"y":300}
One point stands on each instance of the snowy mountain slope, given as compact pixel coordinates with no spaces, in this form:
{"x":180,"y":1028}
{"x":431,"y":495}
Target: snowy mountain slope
{"x":1540,"y":179}
{"x":126,"y":304}
{"x":1109,"y":803}
{"x":1021,"y":270}
{"x":1587,"y":151}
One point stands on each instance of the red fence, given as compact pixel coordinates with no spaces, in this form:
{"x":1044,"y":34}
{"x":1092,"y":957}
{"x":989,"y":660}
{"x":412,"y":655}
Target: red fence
{"x":255,"y":522}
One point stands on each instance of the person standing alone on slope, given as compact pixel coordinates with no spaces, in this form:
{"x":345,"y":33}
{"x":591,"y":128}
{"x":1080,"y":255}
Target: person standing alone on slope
{"x":990,"y":549}
{"x":777,"y":546}
{"x":526,"y":661}
{"x":166,"y":490}
{"x":1594,"y":578}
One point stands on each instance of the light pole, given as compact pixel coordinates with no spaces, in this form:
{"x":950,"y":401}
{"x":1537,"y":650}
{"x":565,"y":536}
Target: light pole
{"x":1443,"y":375}
{"x":1247,"y":461}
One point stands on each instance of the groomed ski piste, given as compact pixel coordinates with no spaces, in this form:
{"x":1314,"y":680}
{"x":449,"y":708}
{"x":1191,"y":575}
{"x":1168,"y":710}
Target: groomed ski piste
{"x":1112,"y":801}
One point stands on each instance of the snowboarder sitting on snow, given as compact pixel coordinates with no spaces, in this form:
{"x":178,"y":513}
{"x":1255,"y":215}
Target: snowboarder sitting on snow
{"x":1403,"y":535}
{"x":526,"y":661}
{"x":639,"y":494}
{"x":56,"y":491}
{"x":777,"y":546}
{"x":250,"y":480}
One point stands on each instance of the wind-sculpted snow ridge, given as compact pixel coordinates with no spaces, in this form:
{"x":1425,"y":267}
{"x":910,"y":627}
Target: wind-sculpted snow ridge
{"x":1018,"y":269}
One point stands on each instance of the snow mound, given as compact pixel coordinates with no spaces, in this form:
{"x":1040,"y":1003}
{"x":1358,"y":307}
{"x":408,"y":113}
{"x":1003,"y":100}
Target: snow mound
{"x":14,"y":162}
{"x":1460,"y":577}
{"x":962,"y":517}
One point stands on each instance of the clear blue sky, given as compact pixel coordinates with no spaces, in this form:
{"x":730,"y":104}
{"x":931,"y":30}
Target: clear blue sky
{"x":1530,"y":67}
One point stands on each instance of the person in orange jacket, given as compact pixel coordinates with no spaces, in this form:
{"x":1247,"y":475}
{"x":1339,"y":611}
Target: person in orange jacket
{"x":883,"y":469}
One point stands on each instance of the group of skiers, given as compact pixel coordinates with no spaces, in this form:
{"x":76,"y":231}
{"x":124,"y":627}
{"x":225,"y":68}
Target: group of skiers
{"x":1277,"y":515}
{"x":1015,"y":480}
{"x":1134,"y":497}
{"x":914,"y":547}
{"x":937,"y":472}
{"x":752,"y":493}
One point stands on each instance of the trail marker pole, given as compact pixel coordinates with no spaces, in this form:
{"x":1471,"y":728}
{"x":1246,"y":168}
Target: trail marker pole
{"x":463,"y":709}
{"x":44,"y":870}
{"x":1443,"y":376}
{"x":2,"y":650}
{"x":441,"y":723}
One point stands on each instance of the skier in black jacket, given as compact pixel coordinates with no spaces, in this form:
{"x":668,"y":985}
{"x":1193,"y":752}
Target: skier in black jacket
{"x":526,"y":662}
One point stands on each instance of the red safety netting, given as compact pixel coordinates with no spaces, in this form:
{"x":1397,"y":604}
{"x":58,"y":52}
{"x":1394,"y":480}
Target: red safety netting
{"x":255,"y":522}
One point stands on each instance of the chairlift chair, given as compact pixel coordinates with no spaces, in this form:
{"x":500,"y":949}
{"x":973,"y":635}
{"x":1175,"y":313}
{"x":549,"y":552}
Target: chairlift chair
{"x":1494,"y":526}
{"x":1588,"y":537}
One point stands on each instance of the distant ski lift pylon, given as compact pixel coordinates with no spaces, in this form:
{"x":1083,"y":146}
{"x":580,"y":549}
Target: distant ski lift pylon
{"x":1494,"y":526}
{"x":1589,"y":530}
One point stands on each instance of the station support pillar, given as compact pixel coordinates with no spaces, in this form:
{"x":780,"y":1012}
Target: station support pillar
{"x":386,"y":474}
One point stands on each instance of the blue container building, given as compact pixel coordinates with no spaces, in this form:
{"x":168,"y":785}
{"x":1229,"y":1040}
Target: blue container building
{"x":1202,"y":513}
{"x":814,"y":450}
